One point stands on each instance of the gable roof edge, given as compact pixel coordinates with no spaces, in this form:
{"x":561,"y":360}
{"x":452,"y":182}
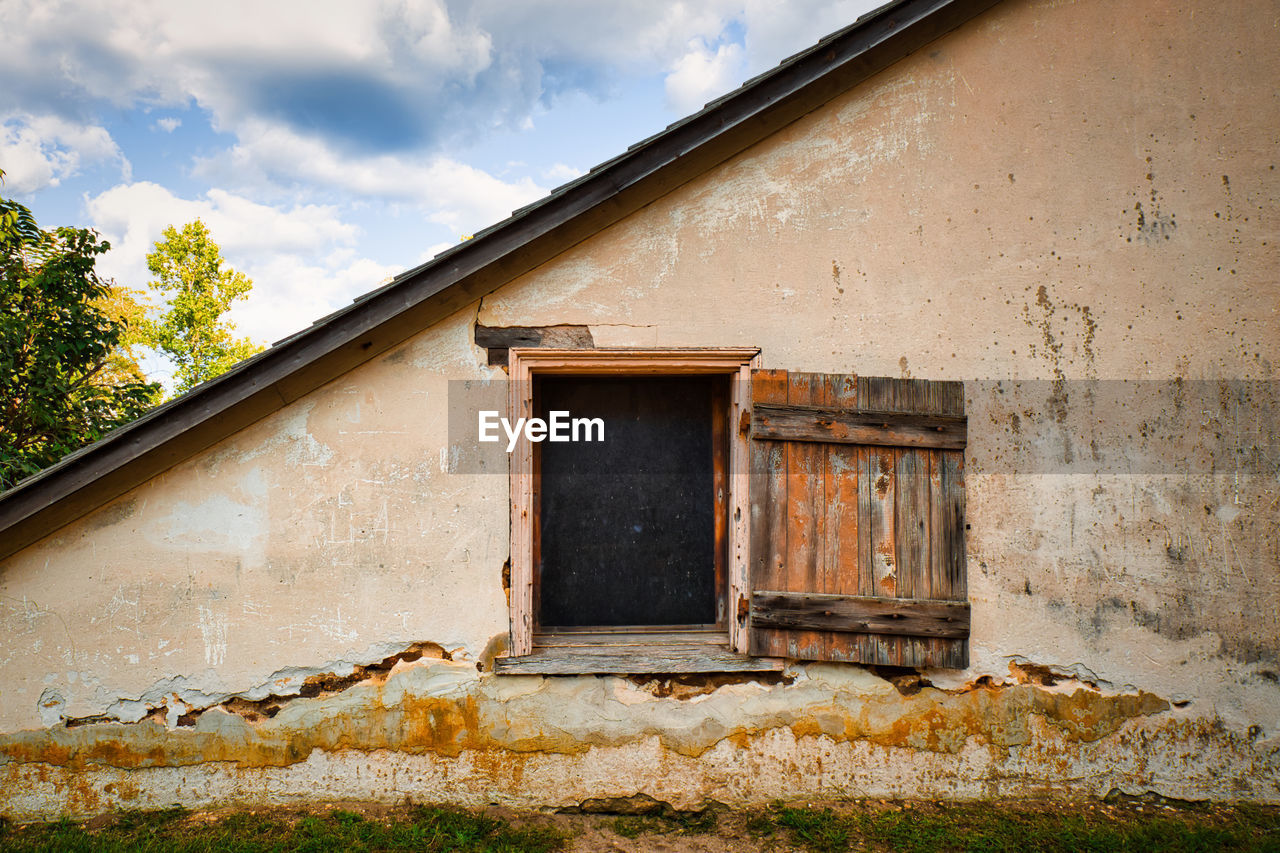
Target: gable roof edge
{"x":461,"y":275}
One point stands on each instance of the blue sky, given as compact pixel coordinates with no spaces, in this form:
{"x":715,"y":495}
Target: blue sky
{"x":329,"y":145}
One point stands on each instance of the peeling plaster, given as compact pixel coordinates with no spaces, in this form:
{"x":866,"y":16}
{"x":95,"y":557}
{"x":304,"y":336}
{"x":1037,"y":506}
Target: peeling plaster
{"x":445,"y":708}
{"x":179,"y":695}
{"x":435,"y":729}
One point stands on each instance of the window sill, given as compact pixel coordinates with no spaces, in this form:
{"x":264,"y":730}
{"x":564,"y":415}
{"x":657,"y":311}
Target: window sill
{"x":584,"y":653}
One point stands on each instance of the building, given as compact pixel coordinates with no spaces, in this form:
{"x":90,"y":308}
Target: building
{"x":1038,"y":555}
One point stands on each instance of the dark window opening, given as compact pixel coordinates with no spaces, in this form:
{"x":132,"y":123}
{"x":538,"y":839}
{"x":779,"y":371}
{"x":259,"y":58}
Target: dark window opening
{"x":630,"y":532}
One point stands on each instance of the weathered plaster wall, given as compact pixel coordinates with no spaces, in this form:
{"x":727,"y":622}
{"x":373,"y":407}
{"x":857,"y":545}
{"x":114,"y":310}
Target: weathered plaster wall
{"x":326,"y":536}
{"x":1068,"y":205}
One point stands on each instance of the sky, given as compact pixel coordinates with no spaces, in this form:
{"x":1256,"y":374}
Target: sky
{"x":331,"y":145}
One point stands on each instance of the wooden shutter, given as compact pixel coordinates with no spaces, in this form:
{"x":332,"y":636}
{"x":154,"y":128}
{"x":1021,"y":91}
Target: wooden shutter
{"x":857,"y":519}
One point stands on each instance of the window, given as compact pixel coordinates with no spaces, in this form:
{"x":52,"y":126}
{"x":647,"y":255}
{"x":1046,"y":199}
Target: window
{"x":630,"y":532}
{"x":734,"y":517}
{"x":627,"y":555}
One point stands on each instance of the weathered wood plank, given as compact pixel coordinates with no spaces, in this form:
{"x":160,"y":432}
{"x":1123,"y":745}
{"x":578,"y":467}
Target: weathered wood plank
{"x":937,"y":583}
{"x":871,"y":615}
{"x":911,"y":523}
{"x":719,"y":406}
{"x":637,"y":637}
{"x":952,"y":541}
{"x":562,"y":336}
{"x":802,"y":568}
{"x":520,"y":595}
{"x":740,"y":509}
{"x":633,"y":660}
{"x":842,"y":552}
{"x":881,"y":428}
{"x":950,"y":398}
{"x":881,"y":394}
{"x":907,"y":539}
{"x":933,"y":584}
{"x":946,"y":398}
{"x":881,"y":470}
{"x":768,"y":507}
{"x":953,"y":528}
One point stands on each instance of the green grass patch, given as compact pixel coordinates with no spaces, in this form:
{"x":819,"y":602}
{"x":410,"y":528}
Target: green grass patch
{"x":988,"y":828}
{"x":1134,"y":824}
{"x":175,"y":831}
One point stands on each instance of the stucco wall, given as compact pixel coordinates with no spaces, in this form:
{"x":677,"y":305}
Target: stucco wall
{"x":1070,"y":206}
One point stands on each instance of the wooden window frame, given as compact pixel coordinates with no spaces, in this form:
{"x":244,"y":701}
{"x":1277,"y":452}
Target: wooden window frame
{"x":630,"y":650}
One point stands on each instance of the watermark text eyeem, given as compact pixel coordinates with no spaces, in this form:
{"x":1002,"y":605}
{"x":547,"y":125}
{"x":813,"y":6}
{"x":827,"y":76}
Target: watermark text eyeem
{"x":558,"y":426}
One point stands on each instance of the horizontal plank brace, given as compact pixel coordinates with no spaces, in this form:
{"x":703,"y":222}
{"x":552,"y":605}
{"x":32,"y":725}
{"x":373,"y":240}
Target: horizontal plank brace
{"x":837,"y":426}
{"x":912,"y":617}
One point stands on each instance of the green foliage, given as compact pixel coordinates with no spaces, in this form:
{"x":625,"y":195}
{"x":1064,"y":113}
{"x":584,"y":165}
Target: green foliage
{"x":818,"y":830}
{"x":980,"y":827}
{"x":66,"y":376}
{"x":189,"y":271}
{"x":122,"y":306}
{"x":69,"y":361}
{"x":422,"y":829}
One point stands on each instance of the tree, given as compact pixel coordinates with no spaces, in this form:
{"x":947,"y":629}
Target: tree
{"x":67,"y":376}
{"x":124,"y":364}
{"x":188,"y":269}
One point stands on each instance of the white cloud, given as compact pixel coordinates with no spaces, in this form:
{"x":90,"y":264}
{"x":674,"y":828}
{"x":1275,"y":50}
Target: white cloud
{"x":420,"y":68}
{"x":701,"y":75}
{"x":637,"y":35}
{"x":291,"y":291}
{"x":772,"y":37}
{"x":561,"y":173}
{"x":351,"y":103}
{"x":448,"y":192}
{"x":277,"y":248}
{"x":433,"y":250}
{"x":361,"y":96}
{"x":238,"y":59}
{"x":135,"y":214}
{"x":38,"y":151}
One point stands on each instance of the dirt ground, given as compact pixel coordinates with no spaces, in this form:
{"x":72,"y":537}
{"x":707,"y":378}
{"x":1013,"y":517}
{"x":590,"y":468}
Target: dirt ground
{"x":640,"y":824}
{"x":736,"y":831}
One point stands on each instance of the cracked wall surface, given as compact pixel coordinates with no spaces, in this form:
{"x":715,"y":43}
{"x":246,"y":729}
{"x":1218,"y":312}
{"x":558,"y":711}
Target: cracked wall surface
{"x":439,"y":729}
{"x":1062,"y":212}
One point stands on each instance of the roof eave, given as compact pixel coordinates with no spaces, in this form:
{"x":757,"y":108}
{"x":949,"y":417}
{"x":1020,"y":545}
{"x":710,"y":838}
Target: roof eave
{"x":463,"y":274}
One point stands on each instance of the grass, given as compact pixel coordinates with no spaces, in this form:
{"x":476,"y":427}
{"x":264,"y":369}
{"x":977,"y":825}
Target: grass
{"x":910,"y":827}
{"x":984,"y":828}
{"x":174,"y":831}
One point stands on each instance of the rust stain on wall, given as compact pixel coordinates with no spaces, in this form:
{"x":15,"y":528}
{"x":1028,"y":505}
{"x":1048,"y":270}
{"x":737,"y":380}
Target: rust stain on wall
{"x":444,"y":709}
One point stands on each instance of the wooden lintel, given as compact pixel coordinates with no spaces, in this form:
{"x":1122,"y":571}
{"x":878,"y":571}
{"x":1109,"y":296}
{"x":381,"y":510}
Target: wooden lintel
{"x":911,"y":617}
{"x":834,"y":426}
{"x":498,"y":340}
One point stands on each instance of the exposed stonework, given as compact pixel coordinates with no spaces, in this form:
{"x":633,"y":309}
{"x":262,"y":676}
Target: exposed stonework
{"x":499,"y":735}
